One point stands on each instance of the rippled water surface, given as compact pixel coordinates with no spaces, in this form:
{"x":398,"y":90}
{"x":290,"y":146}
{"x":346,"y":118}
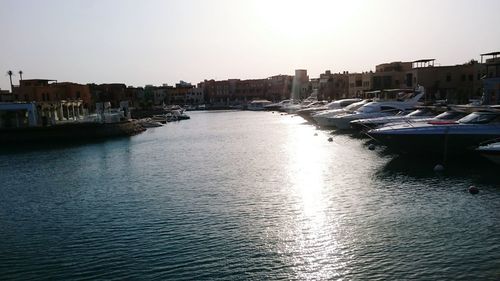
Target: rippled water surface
{"x":243,"y":196}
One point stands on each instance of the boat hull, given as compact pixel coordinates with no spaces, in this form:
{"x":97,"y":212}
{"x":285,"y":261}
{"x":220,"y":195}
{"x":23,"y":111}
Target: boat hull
{"x":492,"y":156}
{"x":491,"y":151}
{"x":432,"y":143}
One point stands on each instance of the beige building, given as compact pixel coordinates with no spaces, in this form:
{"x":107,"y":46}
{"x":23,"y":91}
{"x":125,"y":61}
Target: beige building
{"x":359,"y":83}
{"x":333,"y":86}
{"x":300,"y":87}
{"x":456,"y":83}
{"x":491,"y":79}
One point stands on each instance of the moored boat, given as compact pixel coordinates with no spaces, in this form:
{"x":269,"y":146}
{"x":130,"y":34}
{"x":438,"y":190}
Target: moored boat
{"x":490,"y":151}
{"x":307,"y":113}
{"x":376,"y":109}
{"x":321,"y":118}
{"x":258,"y":105}
{"x":441,"y":136}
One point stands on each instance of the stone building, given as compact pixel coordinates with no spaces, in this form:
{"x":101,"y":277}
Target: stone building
{"x":333,"y":86}
{"x":491,"y":79}
{"x":359,"y":83}
{"x":455,"y":83}
{"x":301,"y":87}
{"x":56,"y":101}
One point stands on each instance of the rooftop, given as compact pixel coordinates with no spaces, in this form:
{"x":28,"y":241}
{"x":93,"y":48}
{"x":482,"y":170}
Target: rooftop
{"x":424,"y":60}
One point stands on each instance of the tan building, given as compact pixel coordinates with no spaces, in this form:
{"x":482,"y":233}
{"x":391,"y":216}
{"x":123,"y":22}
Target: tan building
{"x":55,"y":101}
{"x":359,"y":83}
{"x":491,"y":79}
{"x":391,"y":76}
{"x":456,"y":83}
{"x":280,"y":87}
{"x":300,"y":87}
{"x":44,"y":90}
{"x":238,"y":92}
{"x":333,"y":86}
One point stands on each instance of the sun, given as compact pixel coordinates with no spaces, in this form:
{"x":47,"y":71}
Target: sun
{"x":305,"y":19}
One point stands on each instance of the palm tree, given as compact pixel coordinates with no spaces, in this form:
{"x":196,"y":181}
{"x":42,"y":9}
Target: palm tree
{"x":20,"y":75}
{"x":10,"y":73}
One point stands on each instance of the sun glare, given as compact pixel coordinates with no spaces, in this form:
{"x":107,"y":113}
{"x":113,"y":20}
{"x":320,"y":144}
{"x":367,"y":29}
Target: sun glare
{"x":302,"y":19}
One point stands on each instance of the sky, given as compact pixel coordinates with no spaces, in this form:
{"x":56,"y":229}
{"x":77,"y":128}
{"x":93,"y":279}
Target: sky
{"x":163,"y":41}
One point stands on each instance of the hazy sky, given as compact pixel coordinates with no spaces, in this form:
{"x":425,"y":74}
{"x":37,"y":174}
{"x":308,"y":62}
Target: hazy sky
{"x":155,"y":42}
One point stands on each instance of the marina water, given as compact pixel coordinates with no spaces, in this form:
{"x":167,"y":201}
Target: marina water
{"x":243,"y":196}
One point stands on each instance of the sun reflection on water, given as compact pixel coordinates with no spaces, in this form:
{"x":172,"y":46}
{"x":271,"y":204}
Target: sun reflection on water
{"x":309,"y":239}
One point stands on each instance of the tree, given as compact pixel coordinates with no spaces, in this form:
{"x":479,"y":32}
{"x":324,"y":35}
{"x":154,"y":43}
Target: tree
{"x":10,"y":73}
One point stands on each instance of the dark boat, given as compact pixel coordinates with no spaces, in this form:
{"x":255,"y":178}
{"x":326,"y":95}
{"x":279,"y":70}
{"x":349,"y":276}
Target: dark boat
{"x":463,"y":135}
{"x":419,"y":115}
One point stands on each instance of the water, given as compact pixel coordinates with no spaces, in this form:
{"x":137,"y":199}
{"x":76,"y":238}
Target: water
{"x":243,"y":196}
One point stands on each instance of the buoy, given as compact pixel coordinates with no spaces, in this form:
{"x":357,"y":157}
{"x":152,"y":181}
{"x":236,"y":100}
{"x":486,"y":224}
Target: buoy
{"x":473,"y":190}
{"x":330,"y":139}
{"x":371,"y":147}
{"x":315,"y":134}
{"x":438,"y":168}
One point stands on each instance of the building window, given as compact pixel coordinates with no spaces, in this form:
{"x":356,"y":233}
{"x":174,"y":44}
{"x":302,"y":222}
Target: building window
{"x":448,"y":78}
{"x":463,"y":77}
{"x":471,"y":77}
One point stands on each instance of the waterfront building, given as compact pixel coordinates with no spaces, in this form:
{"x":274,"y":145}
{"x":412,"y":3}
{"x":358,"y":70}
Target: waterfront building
{"x":279,"y":87}
{"x":109,"y":92}
{"x":55,"y":101}
{"x":160,"y":94}
{"x":359,"y":83}
{"x":179,"y":94}
{"x":45,"y":90}
{"x":194,"y":96}
{"x":333,"y":86}
{"x":391,"y":76}
{"x":6,"y":96}
{"x":134,"y":95}
{"x":491,"y":79}
{"x":233,"y":91}
{"x":456,"y":83}
{"x":301,"y":87}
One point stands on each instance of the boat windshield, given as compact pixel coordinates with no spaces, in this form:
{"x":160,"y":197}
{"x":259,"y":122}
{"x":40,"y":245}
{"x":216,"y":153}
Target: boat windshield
{"x":355,"y":106}
{"x":479,"y":118}
{"x":419,"y":112}
{"x":369,"y":108}
{"x":449,"y":115}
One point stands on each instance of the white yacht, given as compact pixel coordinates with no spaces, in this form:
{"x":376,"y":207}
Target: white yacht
{"x":375,"y":109}
{"x":307,"y":113}
{"x":456,"y":137}
{"x":490,"y":151}
{"x":321,"y":118}
{"x":258,"y":105}
{"x":279,"y":105}
{"x":370,"y":123}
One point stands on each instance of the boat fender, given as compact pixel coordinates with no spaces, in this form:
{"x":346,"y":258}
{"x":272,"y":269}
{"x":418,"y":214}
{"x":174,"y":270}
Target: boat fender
{"x":438,"y":168}
{"x":473,"y":190}
{"x":371,"y":147}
